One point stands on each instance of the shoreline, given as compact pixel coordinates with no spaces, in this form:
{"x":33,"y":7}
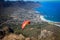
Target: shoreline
{"x":50,"y":22}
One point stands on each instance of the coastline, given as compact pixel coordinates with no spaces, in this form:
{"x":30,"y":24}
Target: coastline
{"x":50,"y":22}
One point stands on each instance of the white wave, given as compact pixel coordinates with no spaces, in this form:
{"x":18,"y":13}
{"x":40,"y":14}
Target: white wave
{"x":45,"y":20}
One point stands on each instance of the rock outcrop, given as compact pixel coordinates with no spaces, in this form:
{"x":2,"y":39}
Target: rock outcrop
{"x":46,"y":35}
{"x":14,"y":37}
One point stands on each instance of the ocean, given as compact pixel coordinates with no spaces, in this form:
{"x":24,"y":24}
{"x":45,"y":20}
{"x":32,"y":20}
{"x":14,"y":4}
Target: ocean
{"x":50,"y":10}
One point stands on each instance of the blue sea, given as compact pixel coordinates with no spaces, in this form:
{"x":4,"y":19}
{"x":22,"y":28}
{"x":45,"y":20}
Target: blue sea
{"x":50,"y":10}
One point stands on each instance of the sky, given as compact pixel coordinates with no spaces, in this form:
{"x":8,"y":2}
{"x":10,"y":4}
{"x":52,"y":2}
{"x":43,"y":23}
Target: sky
{"x":37,"y":0}
{"x":42,"y":0}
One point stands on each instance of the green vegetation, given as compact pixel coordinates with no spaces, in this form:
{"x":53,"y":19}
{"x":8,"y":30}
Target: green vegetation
{"x":30,"y":30}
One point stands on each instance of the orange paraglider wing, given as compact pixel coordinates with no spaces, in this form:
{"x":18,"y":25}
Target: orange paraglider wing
{"x":25,"y":23}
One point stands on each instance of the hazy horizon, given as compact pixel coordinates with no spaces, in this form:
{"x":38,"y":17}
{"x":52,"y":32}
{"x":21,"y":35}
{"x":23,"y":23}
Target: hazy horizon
{"x":33,"y":0}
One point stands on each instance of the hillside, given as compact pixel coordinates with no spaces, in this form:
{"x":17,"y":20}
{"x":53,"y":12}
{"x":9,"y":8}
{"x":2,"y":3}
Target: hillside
{"x":20,"y":11}
{"x":14,"y":13}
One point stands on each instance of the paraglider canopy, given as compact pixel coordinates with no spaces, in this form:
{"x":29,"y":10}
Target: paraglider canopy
{"x":26,"y":22}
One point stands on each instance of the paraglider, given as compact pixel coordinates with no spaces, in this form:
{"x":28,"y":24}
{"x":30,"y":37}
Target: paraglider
{"x":26,"y":22}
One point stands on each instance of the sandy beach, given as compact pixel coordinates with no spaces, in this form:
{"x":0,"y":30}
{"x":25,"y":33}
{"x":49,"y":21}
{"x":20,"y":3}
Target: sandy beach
{"x":50,"y":22}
